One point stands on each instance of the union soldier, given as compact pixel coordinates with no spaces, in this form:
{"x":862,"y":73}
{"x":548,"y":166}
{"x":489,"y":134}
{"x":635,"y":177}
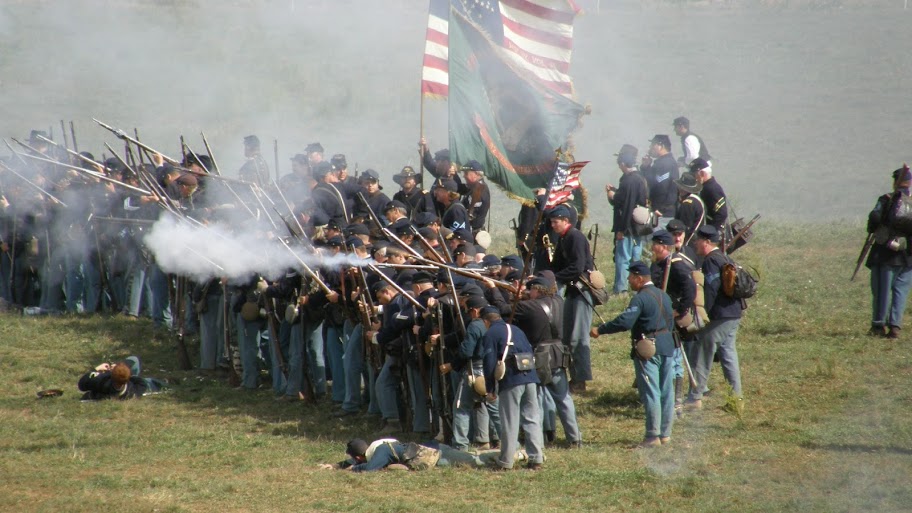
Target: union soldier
{"x":476,"y":195}
{"x":454,"y":215}
{"x":411,"y":195}
{"x":724,"y":317}
{"x":692,"y":145}
{"x":673,"y":273}
{"x":712,"y":195}
{"x":255,"y":168}
{"x":890,"y":259}
{"x":376,"y":200}
{"x":660,"y":170}
{"x":630,"y":193}
{"x":517,"y":391}
{"x":327,"y":196}
{"x":573,"y":260}
{"x":691,"y":212}
{"x":649,"y":316}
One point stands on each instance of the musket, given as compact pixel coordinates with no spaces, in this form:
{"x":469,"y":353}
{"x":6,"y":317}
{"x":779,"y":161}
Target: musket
{"x":215,"y":166}
{"x":217,"y":175}
{"x":444,"y":411}
{"x":122,"y":135}
{"x":741,"y":232}
{"x":468,"y":273}
{"x":427,"y":244}
{"x":161,"y":197}
{"x":124,"y":220}
{"x":307,"y":268}
{"x":865,"y":250}
{"x":73,"y":136}
{"x":37,"y":187}
{"x":66,"y":143}
{"x":275,"y":150}
{"x":90,"y":173}
{"x":594,"y":228}
{"x":392,"y":283}
{"x":372,"y":214}
{"x":183,"y":357}
{"x":233,"y":378}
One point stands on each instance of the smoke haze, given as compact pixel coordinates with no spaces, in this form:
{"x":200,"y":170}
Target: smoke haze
{"x":804,"y":110}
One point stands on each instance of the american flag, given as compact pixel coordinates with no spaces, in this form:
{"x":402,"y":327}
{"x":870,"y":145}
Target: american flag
{"x":566,"y":180}
{"x":536,"y":34}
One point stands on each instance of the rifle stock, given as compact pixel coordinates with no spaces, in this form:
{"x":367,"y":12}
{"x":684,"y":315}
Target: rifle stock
{"x":865,"y":250}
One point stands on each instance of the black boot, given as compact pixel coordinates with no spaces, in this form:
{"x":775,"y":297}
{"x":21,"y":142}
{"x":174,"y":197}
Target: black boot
{"x":679,"y":397}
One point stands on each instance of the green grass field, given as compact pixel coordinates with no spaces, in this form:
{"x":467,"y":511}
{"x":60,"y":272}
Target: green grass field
{"x":827,"y":424}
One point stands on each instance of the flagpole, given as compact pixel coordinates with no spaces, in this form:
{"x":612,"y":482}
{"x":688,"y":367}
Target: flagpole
{"x":421,"y":130}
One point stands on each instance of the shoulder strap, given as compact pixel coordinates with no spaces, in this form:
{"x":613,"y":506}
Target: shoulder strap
{"x":550,"y":314}
{"x":509,"y":343}
{"x":661,"y":307}
{"x":702,"y":217}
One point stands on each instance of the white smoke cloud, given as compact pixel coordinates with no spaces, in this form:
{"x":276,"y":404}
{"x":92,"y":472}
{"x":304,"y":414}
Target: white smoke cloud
{"x":203,"y":252}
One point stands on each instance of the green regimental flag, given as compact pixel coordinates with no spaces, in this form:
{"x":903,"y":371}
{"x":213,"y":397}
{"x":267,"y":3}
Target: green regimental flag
{"x":501,"y":116}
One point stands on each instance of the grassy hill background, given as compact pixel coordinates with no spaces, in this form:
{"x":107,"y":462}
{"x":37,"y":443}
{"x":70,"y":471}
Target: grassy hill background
{"x":827,"y":424}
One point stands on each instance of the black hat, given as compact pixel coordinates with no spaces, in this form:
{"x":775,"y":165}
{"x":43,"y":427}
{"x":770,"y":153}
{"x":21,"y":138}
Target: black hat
{"x":356,"y":447}
{"x":627,"y":155}
{"x":401,"y":227}
{"x":394,"y":204}
{"x":461,"y":234}
{"x":252,"y":141}
{"x":427,"y":232}
{"x":333,"y":224}
{"x":425,"y":218}
{"x":676,"y":226}
{"x":469,"y":289}
{"x":639,"y":268}
{"x":548,"y":275}
{"x":689,"y":183}
{"x":473,"y":165}
{"x":490,"y":260}
{"x":370,"y":175}
{"x":337,"y":161}
{"x":319,"y":218}
{"x":698,"y":164}
{"x":357,"y":229}
{"x":681,"y":121}
{"x":379,"y":285}
{"x":33,"y":136}
{"x":489,"y":310}
{"x":443,"y":154}
{"x":538,"y":280}
{"x":559,"y":211}
{"x":321,"y":169}
{"x":354,"y":242}
{"x":709,"y":233}
{"x":446,"y":183}
{"x":422,"y":277}
{"x":464,"y":249}
{"x":663,"y":140}
{"x":476,"y":302}
{"x":663,"y":237}
{"x":902,"y":174}
{"x":335,"y":242}
{"x":407,"y":172}
{"x":313,"y":147}
{"x":300,"y":157}
{"x":512,"y":261}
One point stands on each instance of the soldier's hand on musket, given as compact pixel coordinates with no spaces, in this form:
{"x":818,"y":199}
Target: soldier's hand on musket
{"x":158,"y":160}
{"x":375,"y":326}
{"x":422,"y":145}
{"x":333,"y":297}
{"x":445,"y":368}
{"x":432,"y":302}
{"x":619,"y":236}
{"x":433,"y":339}
{"x":302,"y":300}
{"x":489,"y":283}
{"x":416,"y":329}
{"x":593,"y":333}
{"x":4,"y":203}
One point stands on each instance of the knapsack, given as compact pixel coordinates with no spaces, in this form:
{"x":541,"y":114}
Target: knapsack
{"x":737,"y":282}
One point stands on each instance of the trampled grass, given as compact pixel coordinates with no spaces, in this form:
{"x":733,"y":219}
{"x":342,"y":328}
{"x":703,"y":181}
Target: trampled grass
{"x":826,"y":426}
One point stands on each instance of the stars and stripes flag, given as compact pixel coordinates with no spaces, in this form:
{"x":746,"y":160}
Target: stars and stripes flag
{"x":566,"y":180}
{"x":536,"y":34}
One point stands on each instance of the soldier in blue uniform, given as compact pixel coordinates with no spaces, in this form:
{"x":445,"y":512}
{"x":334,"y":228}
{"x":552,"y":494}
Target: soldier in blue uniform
{"x":649,"y":315}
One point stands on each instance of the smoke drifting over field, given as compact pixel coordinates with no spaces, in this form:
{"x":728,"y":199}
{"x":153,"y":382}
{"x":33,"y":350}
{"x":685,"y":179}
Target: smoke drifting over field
{"x":801,"y":121}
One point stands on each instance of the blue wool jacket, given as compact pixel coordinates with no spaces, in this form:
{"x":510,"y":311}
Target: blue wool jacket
{"x":494,"y":341}
{"x":643,"y":316}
